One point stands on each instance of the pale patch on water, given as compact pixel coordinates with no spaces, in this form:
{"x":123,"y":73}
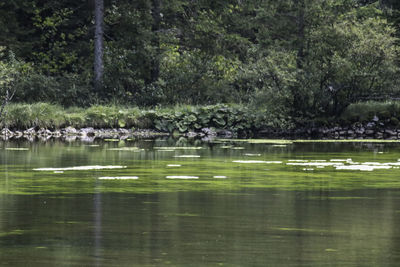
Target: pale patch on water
{"x":308,"y":169}
{"x":361,"y":167}
{"x":252,"y":155}
{"x":237,"y":148}
{"x":80,"y":168}
{"x":318,"y":160}
{"x":257,"y":161}
{"x":58,"y":171}
{"x":178,"y":148}
{"x":279,"y":145}
{"x":225,"y":147}
{"x":119,"y":178}
{"x":174,"y":165}
{"x":187,"y":156}
{"x":165,"y":150}
{"x":17,"y":148}
{"x":219,"y":177}
{"x":182,"y":177}
{"x":324,"y":164}
{"x":297,"y":160}
{"x":133,"y":149}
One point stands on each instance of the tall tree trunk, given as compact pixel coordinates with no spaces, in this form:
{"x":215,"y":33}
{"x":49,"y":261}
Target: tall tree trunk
{"x":98,"y":44}
{"x":155,"y":64}
{"x":300,"y":32}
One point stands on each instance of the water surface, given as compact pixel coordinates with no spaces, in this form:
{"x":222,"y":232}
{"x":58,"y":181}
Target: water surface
{"x":188,"y":203}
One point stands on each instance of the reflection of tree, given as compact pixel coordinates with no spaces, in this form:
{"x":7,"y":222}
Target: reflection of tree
{"x":97,"y":223}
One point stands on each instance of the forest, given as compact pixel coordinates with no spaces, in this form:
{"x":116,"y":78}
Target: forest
{"x":291,"y":61}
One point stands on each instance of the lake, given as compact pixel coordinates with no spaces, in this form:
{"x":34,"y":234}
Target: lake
{"x":179,"y":202}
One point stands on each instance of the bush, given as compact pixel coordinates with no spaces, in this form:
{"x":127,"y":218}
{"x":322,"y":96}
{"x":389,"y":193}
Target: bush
{"x":365,"y":111}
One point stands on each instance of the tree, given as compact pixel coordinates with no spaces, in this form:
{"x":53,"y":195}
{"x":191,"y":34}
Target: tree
{"x":98,"y":44}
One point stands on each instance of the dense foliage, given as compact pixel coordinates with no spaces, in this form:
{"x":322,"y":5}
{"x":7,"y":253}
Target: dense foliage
{"x":291,"y":60}
{"x":180,"y":119}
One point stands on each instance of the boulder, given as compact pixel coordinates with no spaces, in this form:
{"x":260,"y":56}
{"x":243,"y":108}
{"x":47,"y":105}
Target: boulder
{"x":209,"y":131}
{"x":44,"y":132}
{"x":369,"y":132}
{"x":6,"y":132}
{"x":89,"y":131}
{"x":30,"y":132}
{"x":70,"y":131}
{"x":390,"y":132}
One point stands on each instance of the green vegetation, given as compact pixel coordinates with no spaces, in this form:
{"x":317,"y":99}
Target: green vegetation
{"x":274,"y":63}
{"x":180,"y":118}
{"x":366,"y":111}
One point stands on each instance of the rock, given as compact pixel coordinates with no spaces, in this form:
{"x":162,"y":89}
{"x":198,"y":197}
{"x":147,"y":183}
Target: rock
{"x":6,"y":132}
{"x":350,"y":132}
{"x":390,"y":132}
{"x":375,"y":119}
{"x":18,"y":134}
{"x":70,"y":131}
{"x":369,"y":132}
{"x":89,"y":131}
{"x":123,"y":131}
{"x":370,"y":125}
{"x":44,"y":132}
{"x":57,"y":133}
{"x":379,"y":135}
{"x":30,"y":132}
{"x":360,"y":131}
{"x":209,"y":131}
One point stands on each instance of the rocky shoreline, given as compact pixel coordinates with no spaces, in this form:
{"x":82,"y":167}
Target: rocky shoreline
{"x":88,"y":134}
{"x":369,"y":130}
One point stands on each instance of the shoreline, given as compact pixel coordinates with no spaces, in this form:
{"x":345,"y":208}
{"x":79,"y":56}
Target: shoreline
{"x":89,"y":134}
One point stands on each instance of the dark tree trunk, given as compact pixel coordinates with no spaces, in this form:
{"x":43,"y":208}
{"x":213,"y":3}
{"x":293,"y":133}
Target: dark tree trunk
{"x":155,"y":64}
{"x":300,"y":32}
{"x":98,"y":44}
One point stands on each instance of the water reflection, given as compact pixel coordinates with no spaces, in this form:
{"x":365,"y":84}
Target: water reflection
{"x":250,"y":216}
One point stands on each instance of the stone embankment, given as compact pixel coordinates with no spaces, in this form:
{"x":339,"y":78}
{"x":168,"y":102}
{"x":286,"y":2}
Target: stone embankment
{"x":370,"y":130}
{"x":71,"y":134}
{"x":90,"y":134}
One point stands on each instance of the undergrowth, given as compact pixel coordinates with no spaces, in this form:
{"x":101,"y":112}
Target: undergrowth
{"x":182,"y":118}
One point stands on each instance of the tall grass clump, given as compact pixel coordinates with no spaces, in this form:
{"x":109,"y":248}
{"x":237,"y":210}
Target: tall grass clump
{"x":43,"y":115}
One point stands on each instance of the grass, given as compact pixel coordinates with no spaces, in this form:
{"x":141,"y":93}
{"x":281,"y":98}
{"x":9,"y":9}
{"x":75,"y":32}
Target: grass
{"x":45,"y":115}
{"x":182,"y":118}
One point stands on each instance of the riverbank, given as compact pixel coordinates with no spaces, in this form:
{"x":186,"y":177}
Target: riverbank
{"x":42,"y":120}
